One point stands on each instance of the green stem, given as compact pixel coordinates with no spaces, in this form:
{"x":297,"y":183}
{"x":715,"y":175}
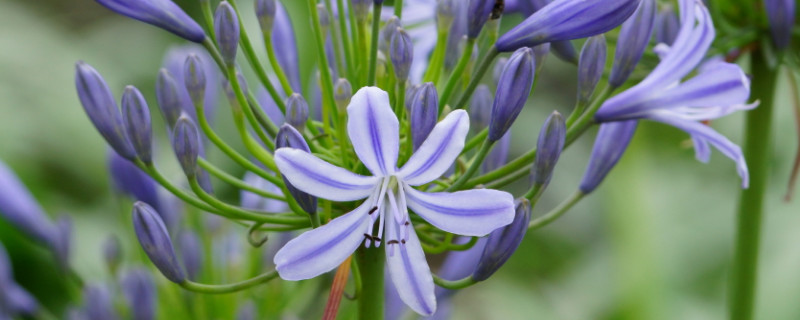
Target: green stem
{"x":186,"y":197}
{"x":370,"y":301}
{"x":276,"y":66}
{"x":348,"y":51}
{"x":236,"y":182}
{"x":456,"y":74}
{"x":373,"y":53}
{"x":454,"y":285}
{"x":229,"y":288}
{"x":239,"y":213}
{"x":328,"y":101}
{"x":557,"y":212}
{"x":398,"y":8}
{"x":336,"y":39}
{"x":474,"y":165}
{"x":437,"y":58}
{"x":758,"y":129}
{"x":484,"y":65}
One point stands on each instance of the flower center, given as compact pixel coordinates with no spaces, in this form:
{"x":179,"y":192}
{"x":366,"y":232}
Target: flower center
{"x":389,"y":199}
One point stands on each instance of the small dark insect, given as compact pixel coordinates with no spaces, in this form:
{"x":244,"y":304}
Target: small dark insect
{"x":497,"y":11}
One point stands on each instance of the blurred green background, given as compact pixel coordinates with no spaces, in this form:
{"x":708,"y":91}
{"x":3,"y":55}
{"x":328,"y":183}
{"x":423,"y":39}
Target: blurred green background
{"x":654,"y":242}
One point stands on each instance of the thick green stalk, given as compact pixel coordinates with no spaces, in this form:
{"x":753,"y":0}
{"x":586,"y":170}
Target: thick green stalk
{"x":758,"y":128}
{"x":452,"y":81}
{"x":370,"y":300}
{"x":398,"y":8}
{"x":373,"y":52}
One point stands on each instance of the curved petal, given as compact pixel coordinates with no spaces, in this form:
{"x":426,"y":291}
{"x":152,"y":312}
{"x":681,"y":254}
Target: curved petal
{"x":319,"y":178}
{"x":374,"y":130}
{"x":725,"y":84}
{"x":471,"y":212}
{"x":409,"y":270}
{"x":323,"y":249}
{"x":439,"y":150}
{"x":702,"y":132}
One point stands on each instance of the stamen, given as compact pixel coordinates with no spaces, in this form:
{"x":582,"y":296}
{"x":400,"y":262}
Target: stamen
{"x":371,"y":211}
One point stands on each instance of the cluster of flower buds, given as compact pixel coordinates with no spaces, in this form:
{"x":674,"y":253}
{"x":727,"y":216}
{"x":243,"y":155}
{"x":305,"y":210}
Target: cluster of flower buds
{"x":380,"y":159}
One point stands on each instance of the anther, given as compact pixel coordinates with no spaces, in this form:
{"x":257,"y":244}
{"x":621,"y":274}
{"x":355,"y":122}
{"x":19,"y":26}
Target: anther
{"x":394,"y":242}
{"x":371,"y":211}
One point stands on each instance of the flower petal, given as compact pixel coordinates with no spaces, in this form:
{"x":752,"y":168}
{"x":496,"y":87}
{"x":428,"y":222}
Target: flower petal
{"x":319,"y":178}
{"x":409,"y":270}
{"x":323,"y":249}
{"x":702,"y":132}
{"x":439,"y":150}
{"x":470,"y":212}
{"x":374,"y":130}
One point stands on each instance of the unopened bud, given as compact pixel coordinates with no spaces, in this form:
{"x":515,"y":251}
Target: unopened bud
{"x":513,"y":90}
{"x":265,"y":11}
{"x":502,"y":242}
{"x":591,"y":66}
{"x":288,"y":137}
{"x":136,"y":115}
{"x":226,"y":26}
{"x":156,"y":242}
{"x":296,"y":111}
{"x":186,"y":144}
{"x":424,"y":113}
{"x":548,"y":149}
{"x":402,"y":54}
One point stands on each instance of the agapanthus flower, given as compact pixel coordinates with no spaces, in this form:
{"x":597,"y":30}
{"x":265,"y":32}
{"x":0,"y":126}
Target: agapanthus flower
{"x":374,"y":132}
{"x":161,"y":13}
{"x":718,"y":89}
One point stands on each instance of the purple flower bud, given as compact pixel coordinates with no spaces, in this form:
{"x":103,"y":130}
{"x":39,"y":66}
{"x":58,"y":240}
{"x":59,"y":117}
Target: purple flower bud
{"x":477,"y":15}
{"x":175,"y":62}
{"x":513,"y":90}
{"x":446,"y":12}
{"x":112,"y":253}
{"x":296,"y":111}
{"x":136,"y":115}
{"x":170,"y":97}
{"x":633,"y":38}
{"x":456,"y":37}
{"x":567,"y":20}
{"x":781,"y":14}
{"x":591,"y":66}
{"x":288,"y":137}
{"x":360,"y":8}
{"x":424,"y":113}
{"x":226,"y":27}
{"x":565,"y":51}
{"x":191,"y":250}
{"x":63,"y":246}
{"x":667,"y":26}
{"x":387,"y":32}
{"x":480,"y":109}
{"x":503,"y":242}
{"x":498,"y":69}
{"x":140,"y":292}
{"x":612,"y":140}
{"x":411,"y":93}
{"x":186,"y":143}
{"x":194,"y":77}
{"x":164,"y":14}
{"x":155,"y":241}
{"x":14,"y":300}
{"x":99,"y":104}
{"x":548,"y":149}
{"x":402,"y":54}
{"x":20,"y":209}
{"x":265,"y":11}
{"x":342,"y":92}
{"x":498,"y":156}
{"x":99,"y":305}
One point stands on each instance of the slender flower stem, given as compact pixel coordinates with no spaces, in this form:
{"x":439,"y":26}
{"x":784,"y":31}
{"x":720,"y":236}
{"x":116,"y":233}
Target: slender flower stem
{"x":208,"y":16}
{"x":452,"y":81}
{"x":239,"y":213}
{"x":476,"y":140}
{"x":186,"y":197}
{"x":454,"y":285}
{"x":361,"y":31}
{"x":236,"y":182}
{"x":398,"y":8}
{"x":534,"y":193}
{"x":796,"y":167}
{"x":758,"y":129}
{"x":328,"y":101}
{"x":437,"y":58}
{"x":229,"y":288}
{"x":336,"y":39}
{"x":346,"y":47}
{"x":276,"y":66}
{"x":373,"y":53}
{"x":249,"y":53}
{"x":473,"y":166}
{"x":557,"y":212}
{"x":484,"y":65}
{"x":370,"y":300}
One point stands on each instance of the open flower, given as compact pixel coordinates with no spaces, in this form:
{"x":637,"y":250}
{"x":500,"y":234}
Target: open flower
{"x":718,"y":89}
{"x":374,"y":131}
